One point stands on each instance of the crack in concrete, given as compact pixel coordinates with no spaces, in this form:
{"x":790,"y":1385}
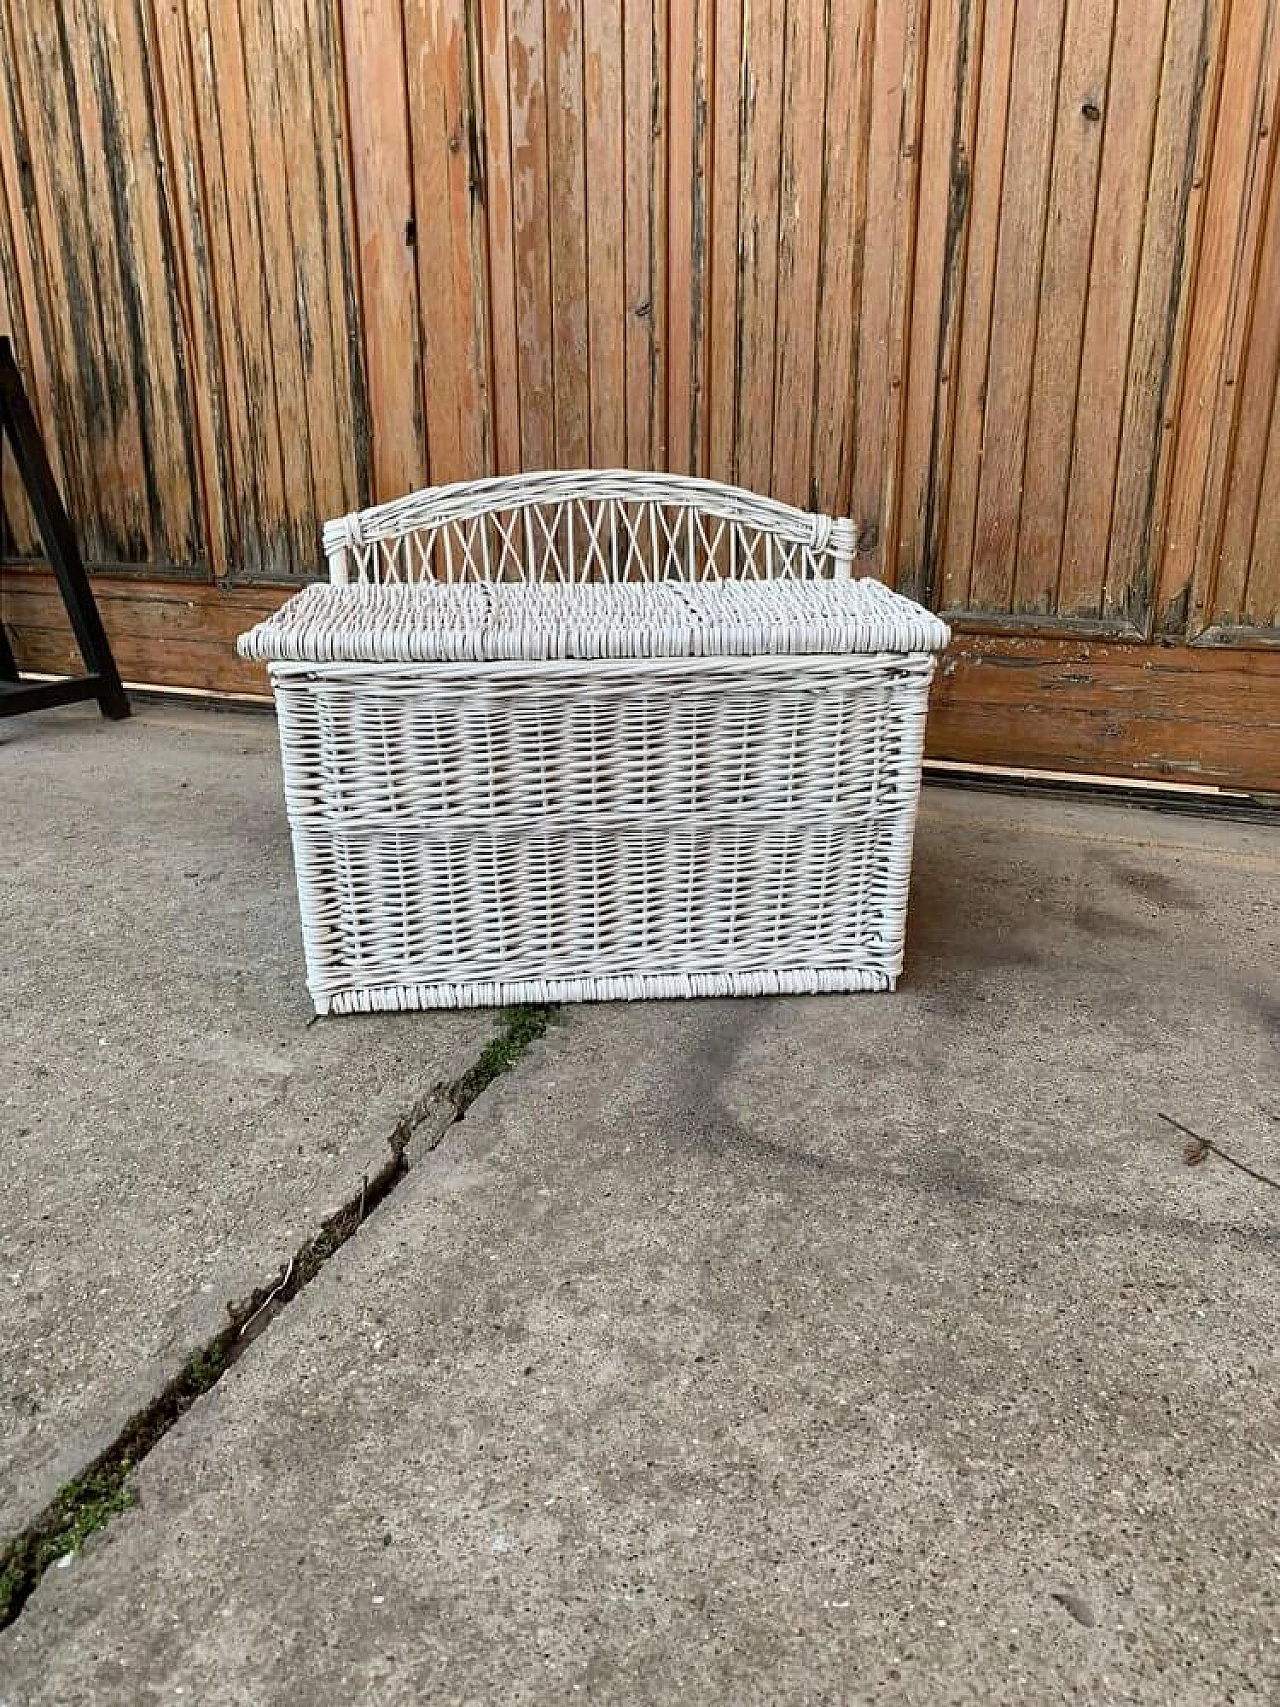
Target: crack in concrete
{"x":101,"y":1491}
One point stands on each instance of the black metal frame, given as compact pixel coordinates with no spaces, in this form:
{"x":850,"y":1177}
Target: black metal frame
{"x":102,"y":679}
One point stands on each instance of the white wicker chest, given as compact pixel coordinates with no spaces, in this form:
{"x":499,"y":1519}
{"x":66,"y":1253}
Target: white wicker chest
{"x":594,"y":787}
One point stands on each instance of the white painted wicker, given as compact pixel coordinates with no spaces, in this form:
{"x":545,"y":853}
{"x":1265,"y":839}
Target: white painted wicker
{"x":587,"y":524}
{"x":547,"y":792}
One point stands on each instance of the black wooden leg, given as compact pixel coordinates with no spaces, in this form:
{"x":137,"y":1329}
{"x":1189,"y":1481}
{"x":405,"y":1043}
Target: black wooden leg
{"x":59,"y":540}
{"x":8,"y":665}
{"x":113,"y":701}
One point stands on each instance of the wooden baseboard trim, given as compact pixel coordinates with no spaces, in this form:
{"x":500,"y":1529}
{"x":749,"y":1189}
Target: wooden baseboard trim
{"x":1198,"y":716}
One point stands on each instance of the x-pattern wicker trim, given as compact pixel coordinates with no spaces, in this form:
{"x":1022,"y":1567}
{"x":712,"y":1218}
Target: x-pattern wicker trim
{"x":587,"y":525}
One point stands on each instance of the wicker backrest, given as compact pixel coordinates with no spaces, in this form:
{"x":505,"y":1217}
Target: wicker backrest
{"x":587,"y":525}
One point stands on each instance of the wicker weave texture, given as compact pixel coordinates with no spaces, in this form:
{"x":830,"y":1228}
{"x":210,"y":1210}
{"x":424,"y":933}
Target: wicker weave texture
{"x":492,"y":622}
{"x":587,"y":525}
{"x":582,"y":831}
{"x":562,"y":790}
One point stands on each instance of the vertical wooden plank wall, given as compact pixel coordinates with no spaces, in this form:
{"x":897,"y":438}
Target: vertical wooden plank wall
{"x":942,"y":266}
{"x":179,"y":261}
{"x":1067,"y":148}
{"x":1095,"y":341}
{"x":996,"y":278}
{"x":1220,"y":575}
{"x":266,"y":261}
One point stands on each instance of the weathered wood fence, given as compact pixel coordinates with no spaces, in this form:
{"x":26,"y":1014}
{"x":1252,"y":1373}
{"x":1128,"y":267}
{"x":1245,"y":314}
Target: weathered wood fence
{"x":1000,"y":277}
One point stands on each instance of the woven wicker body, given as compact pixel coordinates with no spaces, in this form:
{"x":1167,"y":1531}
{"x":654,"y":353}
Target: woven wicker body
{"x":538,"y":791}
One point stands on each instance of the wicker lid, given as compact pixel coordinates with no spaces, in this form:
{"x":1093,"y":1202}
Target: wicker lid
{"x":490,"y":621}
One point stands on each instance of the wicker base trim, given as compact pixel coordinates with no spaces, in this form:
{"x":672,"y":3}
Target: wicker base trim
{"x":803,"y":981}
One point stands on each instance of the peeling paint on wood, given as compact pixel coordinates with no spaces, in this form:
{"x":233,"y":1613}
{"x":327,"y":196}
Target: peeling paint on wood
{"x":954,"y":53}
{"x":1164,"y":297}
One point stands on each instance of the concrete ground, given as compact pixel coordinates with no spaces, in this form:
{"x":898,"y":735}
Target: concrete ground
{"x":171,"y":1126}
{"x":879,"y":1349}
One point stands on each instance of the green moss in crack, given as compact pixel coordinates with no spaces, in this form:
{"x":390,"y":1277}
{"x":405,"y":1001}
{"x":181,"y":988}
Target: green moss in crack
{"x":206,"y":1367}
{"x":93,"y":1499}
{"x":75,"y":1512}
{"x":522,"y":1027}
{"x":90,"y":1502}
